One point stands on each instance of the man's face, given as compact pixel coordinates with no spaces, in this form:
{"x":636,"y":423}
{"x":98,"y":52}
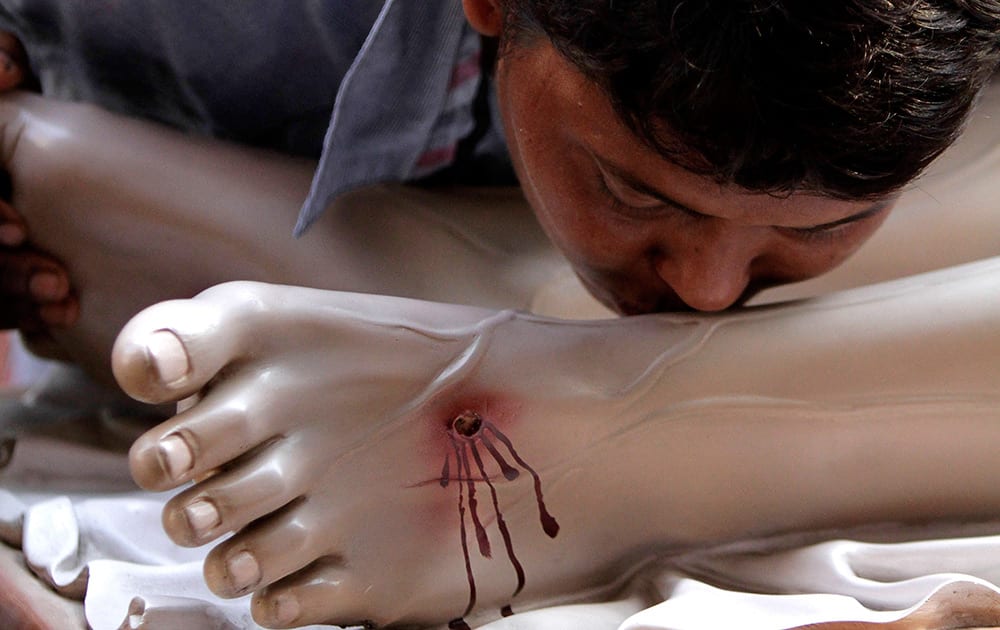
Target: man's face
{"x":641,"y":233}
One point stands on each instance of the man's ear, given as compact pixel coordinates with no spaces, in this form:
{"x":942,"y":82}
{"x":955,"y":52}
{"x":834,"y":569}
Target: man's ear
{"x":485,"y":16}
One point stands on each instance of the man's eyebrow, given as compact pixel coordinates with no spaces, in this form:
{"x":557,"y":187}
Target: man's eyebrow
{"x":645,"y":189}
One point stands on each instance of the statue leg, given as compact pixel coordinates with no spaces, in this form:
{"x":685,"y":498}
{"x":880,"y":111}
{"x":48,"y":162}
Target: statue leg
{"x":399,"y":461}
{"x":140,"y":214}
{"x":948,"y":216}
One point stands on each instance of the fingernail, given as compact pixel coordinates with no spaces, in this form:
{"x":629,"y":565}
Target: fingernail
{"x":168,"y":356}
{"x":244,"y":572}
{"x":202,"y":517}
{"x":11,"y":235}
{"x":175,"y":456}
{"x":46,"y":285}
{"x":57,"y":315}
{"x":287,"y":609}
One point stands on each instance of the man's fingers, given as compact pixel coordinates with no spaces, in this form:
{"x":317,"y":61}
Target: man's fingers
{"x":30,"y":318}
{"x":16,"y":268}
{"x":11,"y":74}
{"x":13,"y":62}
{"x":59,"y":315}
{"x":29,"y":274}
{"x":13,"y":232}
{"x":35,"y":291}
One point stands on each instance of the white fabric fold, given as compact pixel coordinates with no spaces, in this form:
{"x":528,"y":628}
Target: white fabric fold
{"x":694,"y":605}
{"x":130,"y":595}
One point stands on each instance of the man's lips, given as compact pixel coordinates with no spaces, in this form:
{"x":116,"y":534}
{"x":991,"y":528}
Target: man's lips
{"x":626,"y":305}
{"x":666,"y":301}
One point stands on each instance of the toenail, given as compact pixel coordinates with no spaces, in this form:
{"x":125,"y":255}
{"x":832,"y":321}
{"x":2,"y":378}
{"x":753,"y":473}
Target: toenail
{"x":202,"y":517}
{"x":175,"y":456}
{"x":168,"y":356}
{"x":286,"y":609}
{"x":244,"y":572}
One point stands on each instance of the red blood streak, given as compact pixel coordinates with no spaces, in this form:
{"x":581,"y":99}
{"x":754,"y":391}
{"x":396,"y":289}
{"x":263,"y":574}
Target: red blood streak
{"x":501,"y":524}
{"x":465,"y":552}
{"x":509,"y":472}
{"x":481,"y":537}
{"x":466,"y":429}
{"x":446,"y":471}
{"x":549,"y":524}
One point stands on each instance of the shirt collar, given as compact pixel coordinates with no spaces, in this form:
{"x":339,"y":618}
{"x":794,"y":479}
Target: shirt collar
{"x":389,"y":100}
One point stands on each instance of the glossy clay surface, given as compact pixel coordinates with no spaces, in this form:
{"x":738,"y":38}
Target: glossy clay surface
{"x":322,"y":427}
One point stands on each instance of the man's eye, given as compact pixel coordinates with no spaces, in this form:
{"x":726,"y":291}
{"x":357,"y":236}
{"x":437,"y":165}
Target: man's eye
{"x":622,"y":195}
{"x":842,"y":227}
{"x":627,"y":209}
{"x":819,"y":233}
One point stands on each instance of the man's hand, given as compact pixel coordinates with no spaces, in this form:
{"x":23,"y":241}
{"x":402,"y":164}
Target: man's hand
{"x":14,"y":70}
{"x":35,"y":290}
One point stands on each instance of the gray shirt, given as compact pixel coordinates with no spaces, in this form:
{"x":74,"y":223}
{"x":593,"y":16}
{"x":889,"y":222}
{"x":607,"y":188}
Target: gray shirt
{"x":378,"y":91}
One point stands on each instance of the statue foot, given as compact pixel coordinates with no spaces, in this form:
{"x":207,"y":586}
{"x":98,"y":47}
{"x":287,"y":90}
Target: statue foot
{"x":397,"y":462}
{"x":322,"y":429}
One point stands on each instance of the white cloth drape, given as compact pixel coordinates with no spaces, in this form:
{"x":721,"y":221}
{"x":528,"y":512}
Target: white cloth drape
{"x":84,"y":526}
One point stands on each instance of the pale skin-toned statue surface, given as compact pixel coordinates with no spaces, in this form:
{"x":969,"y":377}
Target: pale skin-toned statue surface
{"x":402,"y":461}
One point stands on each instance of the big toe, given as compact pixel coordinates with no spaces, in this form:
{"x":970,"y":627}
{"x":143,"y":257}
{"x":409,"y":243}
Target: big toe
{"x":171,"y":350}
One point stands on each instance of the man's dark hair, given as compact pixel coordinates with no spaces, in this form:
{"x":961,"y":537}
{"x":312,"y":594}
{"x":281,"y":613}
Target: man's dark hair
{"x":846,"y":98}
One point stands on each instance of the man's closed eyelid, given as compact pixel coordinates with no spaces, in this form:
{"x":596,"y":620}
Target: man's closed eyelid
{"x":819,"y":229}
{"x":645,"y":203}
{"x":631,"y":198}
{"x":820,"y":232}
{"x":874,"y":211}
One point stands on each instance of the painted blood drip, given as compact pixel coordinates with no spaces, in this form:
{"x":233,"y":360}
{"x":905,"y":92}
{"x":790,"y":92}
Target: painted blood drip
{"x":468,"y":430}
{"x":481,"y":537}
{"x":501,"y":524}
{"x":549,"y":524}
{"x":509,"y":472}
{"x":465,"y":553}
{"x":446,"y":471}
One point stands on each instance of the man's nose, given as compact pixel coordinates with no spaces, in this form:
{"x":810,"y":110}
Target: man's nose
{"x":710,"y":268}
